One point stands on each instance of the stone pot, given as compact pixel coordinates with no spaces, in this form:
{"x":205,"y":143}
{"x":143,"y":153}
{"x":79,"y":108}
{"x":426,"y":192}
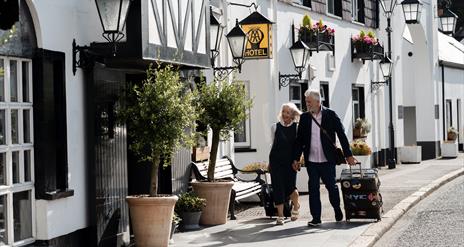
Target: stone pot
{"x":217,"y":195}
{"x":190,"y":220}
{"x":151,"y":219}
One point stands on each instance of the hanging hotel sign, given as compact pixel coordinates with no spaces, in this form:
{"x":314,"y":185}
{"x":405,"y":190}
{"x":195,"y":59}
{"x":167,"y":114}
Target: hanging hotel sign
{"x":258,"y":29}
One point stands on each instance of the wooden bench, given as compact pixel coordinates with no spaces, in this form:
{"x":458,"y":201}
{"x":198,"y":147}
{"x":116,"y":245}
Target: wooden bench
{"x":225,"y":169}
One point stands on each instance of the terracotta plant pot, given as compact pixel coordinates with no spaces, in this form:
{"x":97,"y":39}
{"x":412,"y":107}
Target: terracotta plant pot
{"x":452,"y":136}
{"x":151,"y":219}
{"x":217,"y":195}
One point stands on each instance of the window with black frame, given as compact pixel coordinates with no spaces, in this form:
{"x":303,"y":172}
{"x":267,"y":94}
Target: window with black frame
{"x":334,"y":7}
{"x":357,"y":11}
{"x":358,"y":103}
{"x":324,"y":91}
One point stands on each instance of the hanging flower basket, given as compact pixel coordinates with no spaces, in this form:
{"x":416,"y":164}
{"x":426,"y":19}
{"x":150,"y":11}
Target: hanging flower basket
{"x":366,"y":46}
{"x":317,"y":35}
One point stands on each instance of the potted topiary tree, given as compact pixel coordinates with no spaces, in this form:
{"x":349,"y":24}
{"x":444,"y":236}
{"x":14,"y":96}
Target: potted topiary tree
{"x":160,"y":111}
{"x":222,"y":106}
{"x":189,"y":207}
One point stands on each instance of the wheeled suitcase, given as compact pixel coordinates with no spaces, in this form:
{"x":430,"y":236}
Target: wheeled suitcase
{"x":268,"y":201}
{"x":361,"y":196}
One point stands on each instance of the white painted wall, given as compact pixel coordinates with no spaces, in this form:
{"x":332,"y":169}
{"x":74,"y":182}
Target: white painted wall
{"x":56,"y":24}
{"x":263,"y":76}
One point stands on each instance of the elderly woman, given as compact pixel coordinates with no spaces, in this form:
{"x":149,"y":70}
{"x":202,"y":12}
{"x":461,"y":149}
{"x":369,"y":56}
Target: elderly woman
{"x":283,"y":175}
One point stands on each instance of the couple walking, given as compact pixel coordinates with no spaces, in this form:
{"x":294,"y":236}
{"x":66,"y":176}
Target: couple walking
{"x":290,"y":140}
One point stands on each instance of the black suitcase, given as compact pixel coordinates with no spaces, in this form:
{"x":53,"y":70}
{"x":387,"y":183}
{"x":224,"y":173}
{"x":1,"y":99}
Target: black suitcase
{"x":268,"y":201}
{"x":361,"y":196}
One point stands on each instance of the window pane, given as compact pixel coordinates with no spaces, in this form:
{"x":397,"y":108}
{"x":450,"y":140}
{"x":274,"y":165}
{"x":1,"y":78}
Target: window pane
{"x":331,"y":6}
{"x":13,"y":81}
{"x":3,"y":223}
{"x":2,"y":80}
{"x":295,"y":93}
{"x":240,"y":133}
{"x":2,"y":169}
{"x":26,"y":82}
{"x":27,"y":166}
{"x":27,"y":126}
{"x":355,"y":94}
{"x":14,"y":126}
{"x":15,"y":161}
{"x":356,"y":111}
{"x":22,"y":215}
{"x":2,"y":128}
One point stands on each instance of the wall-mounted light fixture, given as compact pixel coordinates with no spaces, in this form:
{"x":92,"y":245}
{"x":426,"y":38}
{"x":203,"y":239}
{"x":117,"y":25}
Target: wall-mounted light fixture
{"x":300,"y":55}
{"x":112,"y":14}
{"x":412,"y":11}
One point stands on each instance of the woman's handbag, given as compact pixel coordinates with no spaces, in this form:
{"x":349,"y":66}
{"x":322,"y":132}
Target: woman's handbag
{"x":339,"y":156}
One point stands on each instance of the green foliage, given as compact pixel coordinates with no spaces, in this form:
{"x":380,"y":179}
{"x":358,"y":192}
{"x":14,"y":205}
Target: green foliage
{"x":7,"y":35}
{"x":189,"y":202}
{"x":161,"y":112}
{"x":362,"y":123}
{"x":307,"y":21}
{"x":223,"y":106}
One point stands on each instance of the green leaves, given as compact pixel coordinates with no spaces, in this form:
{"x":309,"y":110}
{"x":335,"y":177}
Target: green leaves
{"x":189,"y":202}
{"x":223,"y":106}
{"x":161,"y":113}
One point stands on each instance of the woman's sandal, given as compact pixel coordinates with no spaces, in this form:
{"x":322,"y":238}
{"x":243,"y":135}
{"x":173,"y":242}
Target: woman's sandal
{"x":280,"y":221}
{"x":295,"y":214}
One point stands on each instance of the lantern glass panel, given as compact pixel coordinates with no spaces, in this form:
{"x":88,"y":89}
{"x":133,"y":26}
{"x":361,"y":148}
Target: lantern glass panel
{"x":237,"y":45}
{"x":112,"y":14}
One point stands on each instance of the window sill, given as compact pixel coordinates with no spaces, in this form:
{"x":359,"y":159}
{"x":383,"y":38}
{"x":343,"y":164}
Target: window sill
{"x":57,"y":194}
{"x":358,"y":23}
{"x":245,"y":150}
{"x":334,"y":16}
{"x":300,"y":6}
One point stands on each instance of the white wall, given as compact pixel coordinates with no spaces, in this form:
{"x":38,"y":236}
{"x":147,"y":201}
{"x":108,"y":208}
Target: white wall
{"x":454,"y":89}
{"x":263,"y":76}
{"x":57,"y":23}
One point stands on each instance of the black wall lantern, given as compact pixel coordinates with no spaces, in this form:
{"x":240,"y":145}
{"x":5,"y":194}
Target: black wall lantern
{"x":215,"y":36}
{"x":300,"y":55}
{"x":386,"y":66}
{"x":412,"y":11}
{"x":112,"y":14}
{"x":237,"y":39}
{"x":448,"y":21}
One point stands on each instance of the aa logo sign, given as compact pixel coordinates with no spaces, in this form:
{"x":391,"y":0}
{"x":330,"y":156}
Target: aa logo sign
{"x":259,"y":41}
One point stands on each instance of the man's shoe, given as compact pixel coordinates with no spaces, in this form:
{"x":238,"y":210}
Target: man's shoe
{"x":314,"y":223}
{"x":338,"y":215}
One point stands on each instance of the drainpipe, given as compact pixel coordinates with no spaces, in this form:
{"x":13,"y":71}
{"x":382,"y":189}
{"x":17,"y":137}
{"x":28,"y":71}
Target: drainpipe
{"x":443,"y":95}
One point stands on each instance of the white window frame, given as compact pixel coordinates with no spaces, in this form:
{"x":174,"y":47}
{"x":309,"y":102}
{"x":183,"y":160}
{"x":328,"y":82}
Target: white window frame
{"x":247,"y":142}
{"x":356,"y":103}
{"x":333,"y":8}
{"x":8,"y":148}
{"x":354,"y":10}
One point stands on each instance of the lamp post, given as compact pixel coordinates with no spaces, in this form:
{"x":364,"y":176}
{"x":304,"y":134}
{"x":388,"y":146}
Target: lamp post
{"x":388,"y":7}
{"x":300,"y":55}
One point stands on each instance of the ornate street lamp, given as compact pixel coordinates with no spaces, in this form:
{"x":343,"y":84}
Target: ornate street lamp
{"x":388,"y":6}
{"x":448,"y":21}
{"x":300,"y":55}
{"x":237,"y":40}
{"x":112,"y":15}
{"x":215,"y":36}
{"x":412,"y":11}
{"x":386,"y":66}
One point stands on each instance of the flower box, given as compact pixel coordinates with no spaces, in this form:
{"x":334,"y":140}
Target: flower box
{"x":410,"y":154}
{"x":449,"y":149}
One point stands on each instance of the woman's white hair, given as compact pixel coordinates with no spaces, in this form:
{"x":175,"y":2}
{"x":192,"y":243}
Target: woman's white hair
{"x":313,"y":93}
{"x":293,"y":108}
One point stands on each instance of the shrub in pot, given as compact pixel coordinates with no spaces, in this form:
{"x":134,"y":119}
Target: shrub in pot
{"x":160,"y":110}
{"x":222,"y":106}
{"x":189,"y":207}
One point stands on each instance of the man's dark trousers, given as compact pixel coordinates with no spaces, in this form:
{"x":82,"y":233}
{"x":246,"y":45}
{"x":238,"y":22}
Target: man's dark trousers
{"x":326,"y":172}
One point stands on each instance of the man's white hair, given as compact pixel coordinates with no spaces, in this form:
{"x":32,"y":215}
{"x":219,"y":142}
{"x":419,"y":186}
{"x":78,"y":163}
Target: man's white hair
{"x":313,"y":93}
{"x":293,"y":108}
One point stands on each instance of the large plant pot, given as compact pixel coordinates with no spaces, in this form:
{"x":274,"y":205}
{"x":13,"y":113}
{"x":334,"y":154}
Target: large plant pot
{"x":410,"y":154}
{"x":452,"y":136}
{"x":449,"y":149}
{"x":217,"y":195}
{"x":190,"y":220}
{"x":366,"y":161}
{"x":151,"y":219}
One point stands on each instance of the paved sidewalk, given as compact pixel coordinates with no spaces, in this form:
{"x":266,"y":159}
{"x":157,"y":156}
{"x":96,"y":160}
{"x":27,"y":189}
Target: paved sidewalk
{"x":253,"y":228}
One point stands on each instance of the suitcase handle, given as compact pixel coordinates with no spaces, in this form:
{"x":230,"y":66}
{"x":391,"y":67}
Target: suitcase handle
{"x":360,"y":169}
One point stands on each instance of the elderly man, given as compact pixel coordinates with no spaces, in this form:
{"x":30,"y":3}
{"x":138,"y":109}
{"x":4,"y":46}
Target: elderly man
{"x":319,"y":153}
